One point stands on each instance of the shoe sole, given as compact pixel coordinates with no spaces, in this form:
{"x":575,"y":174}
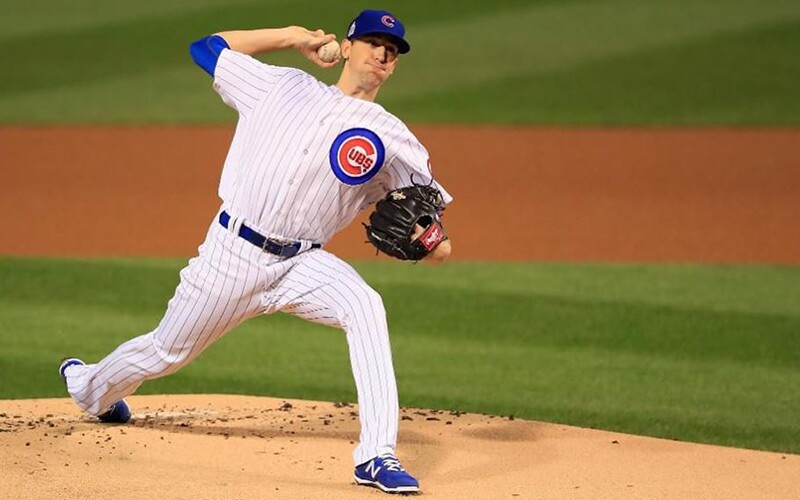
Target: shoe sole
{"x":376,"y":484}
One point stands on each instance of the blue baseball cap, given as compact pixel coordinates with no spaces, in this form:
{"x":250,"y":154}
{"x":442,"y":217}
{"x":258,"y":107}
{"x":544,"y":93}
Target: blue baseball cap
{"x":375,"y":22}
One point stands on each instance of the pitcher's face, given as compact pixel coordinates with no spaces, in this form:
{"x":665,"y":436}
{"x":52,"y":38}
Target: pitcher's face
{"x":372,"y":57}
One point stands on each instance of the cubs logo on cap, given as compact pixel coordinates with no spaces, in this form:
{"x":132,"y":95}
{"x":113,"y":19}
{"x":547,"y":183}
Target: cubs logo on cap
{"x":356,"y":155}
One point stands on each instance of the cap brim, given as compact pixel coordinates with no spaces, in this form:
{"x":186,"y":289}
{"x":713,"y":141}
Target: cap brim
{"x":402,"y":46}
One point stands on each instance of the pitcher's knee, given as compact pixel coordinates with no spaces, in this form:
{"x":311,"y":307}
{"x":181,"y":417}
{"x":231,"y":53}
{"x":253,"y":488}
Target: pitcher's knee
{"x":365,"y":310}
{"x":171,"y":356}
{"x":371,"y":303}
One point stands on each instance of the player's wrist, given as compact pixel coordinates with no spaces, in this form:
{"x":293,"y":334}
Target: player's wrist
{"x":440,"y":254}
{"x":291,"y":36}
{"x":295,"y":37}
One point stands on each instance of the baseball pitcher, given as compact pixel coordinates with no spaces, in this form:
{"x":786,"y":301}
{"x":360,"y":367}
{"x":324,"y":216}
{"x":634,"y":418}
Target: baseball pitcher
{"x":305,"y":159}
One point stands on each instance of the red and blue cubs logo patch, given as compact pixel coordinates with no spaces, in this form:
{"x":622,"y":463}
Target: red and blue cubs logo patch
{"x":356,"y":155}
{"x":388,"y":21}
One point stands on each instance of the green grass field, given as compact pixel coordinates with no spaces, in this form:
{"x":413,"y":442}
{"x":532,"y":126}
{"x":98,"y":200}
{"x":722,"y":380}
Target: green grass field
{"x":660,"y":62}
{"x":691,"y":352}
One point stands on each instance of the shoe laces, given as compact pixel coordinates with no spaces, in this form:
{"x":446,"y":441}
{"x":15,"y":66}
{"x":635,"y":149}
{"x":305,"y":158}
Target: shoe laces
{"x":392,"y":463}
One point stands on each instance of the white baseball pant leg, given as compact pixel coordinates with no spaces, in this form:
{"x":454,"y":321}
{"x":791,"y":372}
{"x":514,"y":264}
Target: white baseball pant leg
{"x":324,"y":289}
{"x":219,"y":289}
{"x":232,"y":280}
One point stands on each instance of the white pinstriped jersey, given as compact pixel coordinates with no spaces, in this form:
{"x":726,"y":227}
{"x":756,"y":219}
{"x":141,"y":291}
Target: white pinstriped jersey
{"x":280,"y":175}
{"x":304,"y":160}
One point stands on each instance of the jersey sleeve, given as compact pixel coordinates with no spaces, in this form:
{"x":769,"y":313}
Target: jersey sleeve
{"x":242,"y":81}
{"x":412,"y":164}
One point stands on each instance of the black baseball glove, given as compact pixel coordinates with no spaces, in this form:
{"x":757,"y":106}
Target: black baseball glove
{"x":393,"y":223}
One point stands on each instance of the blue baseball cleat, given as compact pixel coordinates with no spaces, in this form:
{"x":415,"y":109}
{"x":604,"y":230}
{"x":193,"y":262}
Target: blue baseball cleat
{"x":119,"y":413}
{"x":386,"y":473}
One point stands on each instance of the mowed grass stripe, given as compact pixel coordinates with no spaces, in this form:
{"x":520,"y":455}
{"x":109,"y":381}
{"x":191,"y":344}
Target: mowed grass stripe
{"x":138,"y":69}
{"x":757,"y":289}
{"x":722,"y":79}
{"x":58,"y":16}
{"x":51,"y":16}
{"x":481,"y":62}
{"x":753,"y":289}
{"x":688,"y":352}
{"x":554,"y":37}
{"x":129,"y":47}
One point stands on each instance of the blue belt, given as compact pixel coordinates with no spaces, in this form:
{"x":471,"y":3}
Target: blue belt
{"x":270,"y":245}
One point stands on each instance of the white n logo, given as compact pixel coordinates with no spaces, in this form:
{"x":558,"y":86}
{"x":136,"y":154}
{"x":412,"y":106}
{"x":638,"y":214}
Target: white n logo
{"x":373,"y":469}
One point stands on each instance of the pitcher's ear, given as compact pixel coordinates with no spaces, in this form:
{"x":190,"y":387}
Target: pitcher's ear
{"x":346,"y":45}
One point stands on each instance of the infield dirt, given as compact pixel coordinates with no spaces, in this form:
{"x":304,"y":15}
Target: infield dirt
{"x":614,"y":195}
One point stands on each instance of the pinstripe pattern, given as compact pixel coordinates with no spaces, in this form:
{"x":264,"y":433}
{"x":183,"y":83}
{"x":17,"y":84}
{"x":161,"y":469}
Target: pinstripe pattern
{"x":278,"y":180}
{"x":219,"y":289}
{"x":277,"y":173}
{"x":324,"y":289}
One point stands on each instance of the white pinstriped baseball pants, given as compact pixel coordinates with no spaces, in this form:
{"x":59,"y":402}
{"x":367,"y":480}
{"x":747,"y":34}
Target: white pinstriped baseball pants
{"x":230,"y":281}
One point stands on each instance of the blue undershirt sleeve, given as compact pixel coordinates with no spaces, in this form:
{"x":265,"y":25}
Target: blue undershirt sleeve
{"x":205,"y":52}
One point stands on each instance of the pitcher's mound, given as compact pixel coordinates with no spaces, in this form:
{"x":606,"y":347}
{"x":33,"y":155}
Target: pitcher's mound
{"x":235,"y":447}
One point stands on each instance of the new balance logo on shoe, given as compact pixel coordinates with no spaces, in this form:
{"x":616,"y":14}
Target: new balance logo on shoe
{"x":386,"y":473}
{"x":373,"y":468}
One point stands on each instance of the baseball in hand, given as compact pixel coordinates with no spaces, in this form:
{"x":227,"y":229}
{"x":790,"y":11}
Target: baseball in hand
{"x":329,"y":52}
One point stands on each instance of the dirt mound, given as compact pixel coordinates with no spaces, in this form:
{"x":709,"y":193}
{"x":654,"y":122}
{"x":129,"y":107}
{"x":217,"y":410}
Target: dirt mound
{"x":237,"y":447}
